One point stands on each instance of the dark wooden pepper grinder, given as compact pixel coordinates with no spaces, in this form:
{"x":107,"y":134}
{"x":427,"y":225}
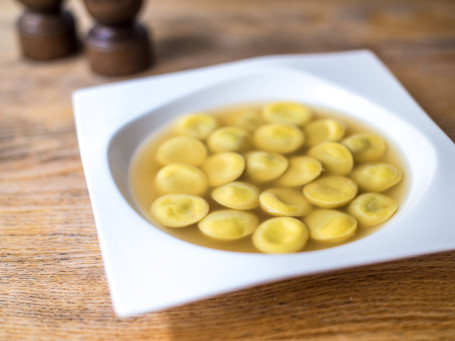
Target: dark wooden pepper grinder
{"x":46,"y":31}
{"x":117,"y":45}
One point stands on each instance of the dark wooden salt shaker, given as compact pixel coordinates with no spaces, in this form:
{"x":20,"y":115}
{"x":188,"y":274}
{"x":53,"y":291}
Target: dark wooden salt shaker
{"x":46,"y":31}
{"x":117,"y":45}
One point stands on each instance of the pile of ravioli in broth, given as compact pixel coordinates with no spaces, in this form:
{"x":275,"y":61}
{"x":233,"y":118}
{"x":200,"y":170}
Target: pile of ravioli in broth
{"x":277,"y":174}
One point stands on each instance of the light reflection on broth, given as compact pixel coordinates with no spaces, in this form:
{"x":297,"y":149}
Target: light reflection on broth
{"x":144,"y":167}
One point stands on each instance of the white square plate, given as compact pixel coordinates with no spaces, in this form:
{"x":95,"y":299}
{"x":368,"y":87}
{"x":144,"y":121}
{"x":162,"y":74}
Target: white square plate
{"x":148,"y":270}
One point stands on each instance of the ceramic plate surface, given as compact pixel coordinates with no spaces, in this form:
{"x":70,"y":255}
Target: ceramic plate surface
{"x":149,"y":270}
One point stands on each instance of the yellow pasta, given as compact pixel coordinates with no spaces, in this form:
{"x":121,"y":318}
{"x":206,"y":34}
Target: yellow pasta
{"x":274,"y":178}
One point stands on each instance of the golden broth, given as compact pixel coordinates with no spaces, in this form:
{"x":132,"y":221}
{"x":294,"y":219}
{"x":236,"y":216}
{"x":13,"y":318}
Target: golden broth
{"x":144,"y":167}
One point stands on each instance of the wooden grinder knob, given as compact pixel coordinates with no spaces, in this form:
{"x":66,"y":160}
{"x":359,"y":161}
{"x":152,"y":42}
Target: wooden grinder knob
{"x":46,"y":31}
{"x":117,"y":45}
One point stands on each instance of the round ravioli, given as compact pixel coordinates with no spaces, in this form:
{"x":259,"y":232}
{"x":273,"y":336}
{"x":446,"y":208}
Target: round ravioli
{"x":323,"y":130}
{"x":228,"y":224}
{"x":182,"y":149}
{"x":287,"y":112}
{"x":228,"y":139}
{"x":330,"y":191}
{"x":335,"y":158}
{"x":179,"y":210}
{"x":248,"y":119}
{"x":237,"y":195}
{"x":372,"y":208}
{"x":198,"y":125}
{"x":280,"y":235}
{"x":301,"y":170}
{"x":330,"y":226}
{"x":376,"y":177}
{"x":223,"y":168}
{"x":278,"y":138}
{"x":181,"y":178}
{"x":365,"y":147}
{"x":284,"y":202}
{"x":264,"y":166}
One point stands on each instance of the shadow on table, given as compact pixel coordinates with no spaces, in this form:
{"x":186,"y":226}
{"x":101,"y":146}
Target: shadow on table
{"x":349,"y":302}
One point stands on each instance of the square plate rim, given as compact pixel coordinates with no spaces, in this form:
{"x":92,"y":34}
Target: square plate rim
{"x":81,"y":101}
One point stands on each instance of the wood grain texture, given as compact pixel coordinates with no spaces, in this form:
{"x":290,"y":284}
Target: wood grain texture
{"x":52,"y":283}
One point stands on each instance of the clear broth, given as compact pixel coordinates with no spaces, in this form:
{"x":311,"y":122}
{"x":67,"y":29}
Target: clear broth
{"x":144,"y":167}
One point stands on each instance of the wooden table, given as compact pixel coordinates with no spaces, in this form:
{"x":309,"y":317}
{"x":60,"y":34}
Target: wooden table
{"x":52,"y":283}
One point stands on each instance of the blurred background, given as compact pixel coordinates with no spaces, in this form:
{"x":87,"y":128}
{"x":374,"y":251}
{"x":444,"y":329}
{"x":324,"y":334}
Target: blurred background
{"x":415,"y":38}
